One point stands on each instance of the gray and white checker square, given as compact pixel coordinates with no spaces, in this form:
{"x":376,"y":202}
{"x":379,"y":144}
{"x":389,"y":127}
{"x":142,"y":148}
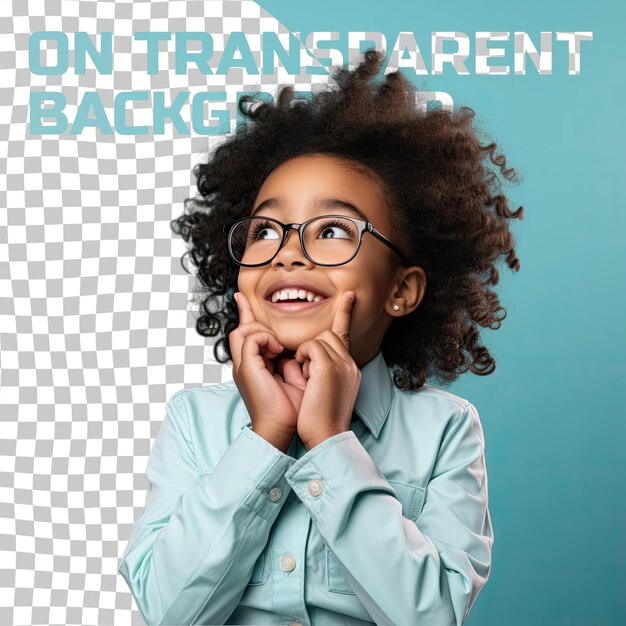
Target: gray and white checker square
{"x":97,"y":316}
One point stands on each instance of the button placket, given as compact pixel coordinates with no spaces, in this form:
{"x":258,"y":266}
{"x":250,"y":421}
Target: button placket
{"x":288,"y":562}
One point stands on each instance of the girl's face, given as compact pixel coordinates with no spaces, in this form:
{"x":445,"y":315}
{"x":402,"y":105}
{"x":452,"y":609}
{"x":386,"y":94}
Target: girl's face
{"x":300,"y":187}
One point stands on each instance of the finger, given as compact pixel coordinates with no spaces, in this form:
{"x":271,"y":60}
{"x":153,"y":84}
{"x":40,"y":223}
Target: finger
{"x":245,"y":310}
{"x":294,"y":394}
{"x":246,"y":316}
{"x":323,"y":352}
{"x":336,"y":343}
{"x":281,"y":362}
{"x":260,"y":345}
{"x":293,"y":374}
{"x":238,"y":336}
{"x":290,"y":370}
{"x":341,"y":323}
{"x":332,"y":353}
{"x":312,"y":350}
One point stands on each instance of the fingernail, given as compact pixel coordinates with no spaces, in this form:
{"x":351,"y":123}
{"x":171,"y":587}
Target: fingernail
{"x":351,"y":296}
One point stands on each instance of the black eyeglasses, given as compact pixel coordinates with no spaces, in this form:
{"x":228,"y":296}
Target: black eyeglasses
{"x":254,"y":241}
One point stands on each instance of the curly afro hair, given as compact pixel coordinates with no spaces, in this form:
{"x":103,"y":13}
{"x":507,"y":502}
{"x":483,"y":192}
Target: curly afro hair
{"x":442,"y":194}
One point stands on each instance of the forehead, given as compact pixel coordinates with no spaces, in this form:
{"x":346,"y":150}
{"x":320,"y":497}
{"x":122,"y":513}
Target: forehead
{"x":304,"y":185}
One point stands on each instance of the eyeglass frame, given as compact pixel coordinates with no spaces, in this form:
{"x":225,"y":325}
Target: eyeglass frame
{"x":362,"y":226}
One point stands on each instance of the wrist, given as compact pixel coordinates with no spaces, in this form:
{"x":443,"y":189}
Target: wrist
{"x":315,"y":441}
{"x":280,"y":441}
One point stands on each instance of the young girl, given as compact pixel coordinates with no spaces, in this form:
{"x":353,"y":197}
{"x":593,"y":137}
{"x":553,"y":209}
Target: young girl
{"x":328,"y":483}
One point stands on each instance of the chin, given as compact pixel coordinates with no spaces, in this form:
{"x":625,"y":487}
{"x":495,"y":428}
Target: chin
{"x":290,"y":347}
{"x":291,"y":341}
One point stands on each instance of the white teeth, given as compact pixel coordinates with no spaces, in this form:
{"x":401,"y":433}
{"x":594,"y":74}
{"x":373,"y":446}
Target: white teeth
{"x":291,"y":294}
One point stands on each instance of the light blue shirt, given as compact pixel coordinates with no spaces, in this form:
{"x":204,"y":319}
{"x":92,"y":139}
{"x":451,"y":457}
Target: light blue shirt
{"x":387,"y":523}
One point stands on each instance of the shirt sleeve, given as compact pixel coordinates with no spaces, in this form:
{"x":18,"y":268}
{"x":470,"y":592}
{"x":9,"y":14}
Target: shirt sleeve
{"x":426,"y":572}
{"x":192,"y":550}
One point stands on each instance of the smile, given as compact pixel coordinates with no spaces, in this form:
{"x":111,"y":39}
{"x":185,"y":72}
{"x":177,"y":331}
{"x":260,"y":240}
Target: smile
{"x":294,"y":307}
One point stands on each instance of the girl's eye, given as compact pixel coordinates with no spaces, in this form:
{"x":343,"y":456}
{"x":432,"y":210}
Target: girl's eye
{"x":344,"y":229}
{"x":326,"y":229}
{"x":259,"y":227}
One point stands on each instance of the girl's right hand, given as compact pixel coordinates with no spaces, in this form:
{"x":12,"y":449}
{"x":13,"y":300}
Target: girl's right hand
{"x":253,"y":348}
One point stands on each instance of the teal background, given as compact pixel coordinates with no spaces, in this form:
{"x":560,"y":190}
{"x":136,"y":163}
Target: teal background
{"x":552,"y":412}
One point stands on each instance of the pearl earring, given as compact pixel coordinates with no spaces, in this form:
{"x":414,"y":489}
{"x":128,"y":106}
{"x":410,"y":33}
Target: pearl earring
{"x":396,"y":307}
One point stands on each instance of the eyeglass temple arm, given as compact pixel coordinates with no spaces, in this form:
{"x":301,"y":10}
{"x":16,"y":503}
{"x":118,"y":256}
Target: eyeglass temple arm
{"x":388,"y":243}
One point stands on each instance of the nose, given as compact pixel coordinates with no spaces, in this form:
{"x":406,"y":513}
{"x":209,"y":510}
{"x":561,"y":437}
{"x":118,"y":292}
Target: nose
{"x":291,"y":250}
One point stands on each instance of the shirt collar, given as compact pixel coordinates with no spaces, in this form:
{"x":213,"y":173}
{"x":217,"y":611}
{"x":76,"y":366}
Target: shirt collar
{"x":373,"y":402}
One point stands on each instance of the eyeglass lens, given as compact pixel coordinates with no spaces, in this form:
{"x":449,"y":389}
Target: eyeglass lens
{"x":327,"y":240}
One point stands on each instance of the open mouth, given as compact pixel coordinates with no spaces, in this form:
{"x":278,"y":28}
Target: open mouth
{"x":296,"y":305}
{"x":294,"y":299}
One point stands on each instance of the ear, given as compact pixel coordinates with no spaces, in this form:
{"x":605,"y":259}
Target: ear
{"x":410,"y":289}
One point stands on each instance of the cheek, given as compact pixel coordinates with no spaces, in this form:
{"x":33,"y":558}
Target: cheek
{"x":369,"y":305}
{"x":362,"y":313}
{"x":248,"y":284}
{"x":370,"y":296}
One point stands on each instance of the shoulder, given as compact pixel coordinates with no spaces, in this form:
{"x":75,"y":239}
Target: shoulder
{"x":211,"y":417}
{"x":428,"y":393}
{"x":434,"y":414}
{"x":203,"y":393}
{"x":442,"y":429}
{"x":192,"y":403}
{"x":440,"y":404}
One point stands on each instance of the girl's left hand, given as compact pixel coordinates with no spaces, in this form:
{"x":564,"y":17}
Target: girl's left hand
{"x":333,"y":380}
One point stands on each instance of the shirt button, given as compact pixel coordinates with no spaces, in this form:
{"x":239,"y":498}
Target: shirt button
{"x":275,"y":494}
{"x":287,"y":563}
{"x":315,"y":487}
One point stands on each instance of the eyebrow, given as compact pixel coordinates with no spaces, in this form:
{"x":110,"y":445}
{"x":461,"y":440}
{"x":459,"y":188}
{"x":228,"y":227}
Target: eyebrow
{"x":323,"y":203}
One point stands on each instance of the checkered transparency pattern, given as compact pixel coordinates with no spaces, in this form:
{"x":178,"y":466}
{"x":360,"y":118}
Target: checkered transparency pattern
{"x":97,"y":327}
